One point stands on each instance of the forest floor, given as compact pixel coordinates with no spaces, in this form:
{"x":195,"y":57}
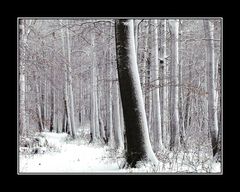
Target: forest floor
{"x":63,"y":155}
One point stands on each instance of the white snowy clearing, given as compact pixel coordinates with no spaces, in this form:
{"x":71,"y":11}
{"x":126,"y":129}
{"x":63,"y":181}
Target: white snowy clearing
{"x":77,"y":156}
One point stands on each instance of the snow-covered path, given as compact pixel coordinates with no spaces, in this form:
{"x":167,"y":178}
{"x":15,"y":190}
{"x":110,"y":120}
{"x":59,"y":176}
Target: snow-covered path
{"x":77,"y":156}
{"x":73,"y":157}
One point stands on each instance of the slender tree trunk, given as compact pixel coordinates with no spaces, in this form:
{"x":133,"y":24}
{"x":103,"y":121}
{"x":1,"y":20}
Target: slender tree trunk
{"x":144,"y":64}
{"x":149,"y":96}
{"x":101,"y":127}
{"x":156,"y":97}
{"x":58,"y":119}
{"x":116,"y":115}
{"x":97,"y":106}
{"x":188,"y":98}
{"x":100,"y":100}
{"x":38,"y":107}
{"x":212,"y":112}
{"x":205,"y":122}
{"x":52,"y":120}
{"x":138,"y":143}
{"x":64,"y":119}
{"x":68,"y":82}
{"x":147,"y":82}
{"x":165,"y":88}
{"x":122,"y":126}
{"x":136,"y":35}
{"x":22,"y":102}
{"x":80,"y":96}
{"x":109,"y":101}
{"x":22,"y":113}
{"x":68,"y":124}
{"x":181,"y":121}
{"x":92,"y":118}
{"x":69,"y":70}
{"x":220,"y":105}
{"x":23,"y":34}
{"x":43,"y":102}
{"x":94,"y":132}
{"x":174,"y":139}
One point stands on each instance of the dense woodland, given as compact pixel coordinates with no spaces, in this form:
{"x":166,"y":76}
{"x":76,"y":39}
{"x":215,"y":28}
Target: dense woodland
{"x":142,"y":86}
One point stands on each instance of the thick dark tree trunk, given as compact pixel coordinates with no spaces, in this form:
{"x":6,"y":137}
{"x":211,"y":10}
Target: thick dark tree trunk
{"x":138,"y":143}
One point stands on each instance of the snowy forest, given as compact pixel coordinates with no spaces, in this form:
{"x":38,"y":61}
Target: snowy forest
{"x":119,"y":95}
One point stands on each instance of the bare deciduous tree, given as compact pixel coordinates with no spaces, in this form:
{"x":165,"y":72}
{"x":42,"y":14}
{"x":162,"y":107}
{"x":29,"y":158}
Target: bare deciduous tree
{"x":138,"y":143}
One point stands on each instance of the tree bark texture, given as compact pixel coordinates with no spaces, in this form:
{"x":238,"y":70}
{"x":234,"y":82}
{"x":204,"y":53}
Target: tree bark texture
{"x":138,"y":143}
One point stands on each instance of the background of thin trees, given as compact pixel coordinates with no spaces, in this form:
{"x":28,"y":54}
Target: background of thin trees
{"x":68,"y":79}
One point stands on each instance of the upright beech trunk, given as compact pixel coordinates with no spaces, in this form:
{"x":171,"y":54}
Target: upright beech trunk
{"x":188,"y":97}
{"x":147,"y":80}
{"x":144,"y":62}
{"x":122,"y":126}
{"x":156,"y":121}
{"x":38,"y":108}
{"x":116,"y":115}
{"x":94,"y":129}
{"x":69,"y":70}
{"x":22,"y":112}
{"x":53,"y":103}
{"x":181,"y":121}
{"x":24,"y":31}
{"x":68,"y":124}
{"x":138,"y":143}
{"x":136,"y":35}
{"x":109,"y":101}
{"x":42,"y":87}
{"x":212,"y":107}
{"x":164,"y":77}
{"x":52,"y":120}
{"x":174,"y":139}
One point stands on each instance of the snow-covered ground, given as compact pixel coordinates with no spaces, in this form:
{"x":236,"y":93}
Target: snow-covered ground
{"x":68,"y":156}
